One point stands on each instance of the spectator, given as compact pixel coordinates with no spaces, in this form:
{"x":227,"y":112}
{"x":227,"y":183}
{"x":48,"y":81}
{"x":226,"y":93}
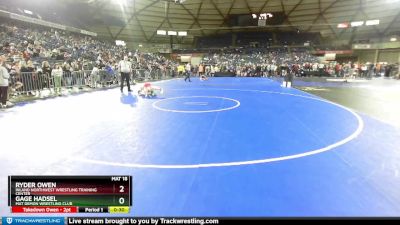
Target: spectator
{"x":57,"y":73}
{"x":94,"y":76}
{"x":4,"y":76}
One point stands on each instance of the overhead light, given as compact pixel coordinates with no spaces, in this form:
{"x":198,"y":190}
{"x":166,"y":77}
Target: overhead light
{"x":179,"y":1}
{"x":343,"y":25}
{"x":173,"y":33}
{"x":161,"y":32}
{"x":182,"y":33}
{"x":372,"y":22}
{"x":357,"y":23}
{"x":393,"y":39}
{"x":140,"y":45}
{"x":120,"y":2}
{"x":392,"y":1}
{"x":265,"y":16}
{"x":28,"y":12}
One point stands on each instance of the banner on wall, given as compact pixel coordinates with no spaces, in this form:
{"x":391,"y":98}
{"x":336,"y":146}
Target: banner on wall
{"x":330,"y":56}
{"x":186,"y":58}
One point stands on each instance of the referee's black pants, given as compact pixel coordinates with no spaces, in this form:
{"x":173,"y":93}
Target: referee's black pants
{"x":3,"y":94}
{"x":187,"y":76}
{"x":125,"y":76}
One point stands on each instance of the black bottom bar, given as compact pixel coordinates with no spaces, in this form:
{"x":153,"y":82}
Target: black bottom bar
{"x":214,"y":221}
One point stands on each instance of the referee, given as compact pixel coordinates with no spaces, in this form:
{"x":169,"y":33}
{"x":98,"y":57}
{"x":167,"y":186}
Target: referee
{"x":125,"y":68}
{"x":188,"y":71}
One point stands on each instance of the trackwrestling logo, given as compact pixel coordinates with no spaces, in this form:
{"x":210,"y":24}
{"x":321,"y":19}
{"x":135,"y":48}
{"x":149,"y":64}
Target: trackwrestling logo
{"x":33,"y":220}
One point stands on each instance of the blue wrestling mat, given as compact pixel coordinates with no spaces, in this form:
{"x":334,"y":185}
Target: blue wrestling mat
{"x":222,"y":147}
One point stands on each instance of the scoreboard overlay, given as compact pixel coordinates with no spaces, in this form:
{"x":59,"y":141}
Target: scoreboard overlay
{"x":69,"y":194}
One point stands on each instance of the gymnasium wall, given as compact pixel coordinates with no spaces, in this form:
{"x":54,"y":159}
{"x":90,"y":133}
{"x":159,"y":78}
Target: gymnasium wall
{"x":389,"y":56}
{"x":378,"y":52}
{"x":365,"y":56}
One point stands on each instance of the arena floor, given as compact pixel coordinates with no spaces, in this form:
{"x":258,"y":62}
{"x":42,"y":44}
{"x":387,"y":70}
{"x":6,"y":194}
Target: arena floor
{"x":378,"y":98}
{"x":223,"y":147}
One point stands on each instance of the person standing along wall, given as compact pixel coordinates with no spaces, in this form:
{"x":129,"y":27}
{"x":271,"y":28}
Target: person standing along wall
{"x":201,"y":69}
{"x":57,"y":74}
{"x":94,"y":76}
{"x":4,"y":76}
{"x":289,"y":78}
{"x":181,"y":70}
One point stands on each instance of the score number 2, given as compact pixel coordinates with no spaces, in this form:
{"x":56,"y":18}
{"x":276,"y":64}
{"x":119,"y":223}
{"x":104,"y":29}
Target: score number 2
{"x":121,"y":187}
{"x":121,"y":200}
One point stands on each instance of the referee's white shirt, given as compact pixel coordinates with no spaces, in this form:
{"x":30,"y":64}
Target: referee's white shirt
{"x":124,"y":66}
